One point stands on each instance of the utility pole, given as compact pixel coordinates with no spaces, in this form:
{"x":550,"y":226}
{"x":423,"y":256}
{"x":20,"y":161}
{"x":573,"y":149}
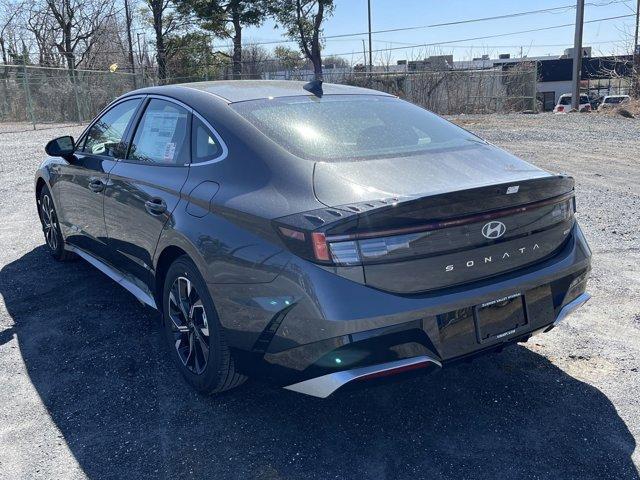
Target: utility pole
{"x":364,"y":55}
{"x":141,"y":58}
{"x":133,"y":66}
{"x":636,"y":54}
{"x":577,"y":56}
{"x":370,"y":48}
{"x":635,"y":37}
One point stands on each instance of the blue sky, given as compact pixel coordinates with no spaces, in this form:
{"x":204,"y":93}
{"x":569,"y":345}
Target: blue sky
{"x":351,"y":17}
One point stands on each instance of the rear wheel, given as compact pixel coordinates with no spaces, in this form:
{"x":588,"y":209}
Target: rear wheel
{"x":194,"y":335}
{"x":51,"y":227}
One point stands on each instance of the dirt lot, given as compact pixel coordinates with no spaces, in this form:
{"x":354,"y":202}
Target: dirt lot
{"x":86,"y":389}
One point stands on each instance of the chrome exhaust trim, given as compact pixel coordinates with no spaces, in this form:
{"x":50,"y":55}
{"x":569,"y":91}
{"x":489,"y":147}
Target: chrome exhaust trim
{"x":325,"y":385}
{"x":571,"y":307}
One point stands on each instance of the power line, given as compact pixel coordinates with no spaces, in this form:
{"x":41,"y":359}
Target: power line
{"x":421,"y":45}
{"x":435,"y":25}
{"x":497,"y":35}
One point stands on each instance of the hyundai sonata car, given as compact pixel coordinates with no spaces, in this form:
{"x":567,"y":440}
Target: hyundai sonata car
{"x":313,"y":235}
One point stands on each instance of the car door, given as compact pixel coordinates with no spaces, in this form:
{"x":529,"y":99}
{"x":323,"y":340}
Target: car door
{"x":80,"y":183}
{"x":144,"y":189}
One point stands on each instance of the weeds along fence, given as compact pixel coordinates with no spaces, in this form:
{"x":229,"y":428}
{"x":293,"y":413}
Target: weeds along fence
{"x":32,"y":97}
{"x":447,"y":92}
{"x":36,"y":96}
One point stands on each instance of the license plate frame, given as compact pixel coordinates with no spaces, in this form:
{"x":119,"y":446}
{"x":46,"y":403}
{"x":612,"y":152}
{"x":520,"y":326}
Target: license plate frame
{"x":500,"y":319}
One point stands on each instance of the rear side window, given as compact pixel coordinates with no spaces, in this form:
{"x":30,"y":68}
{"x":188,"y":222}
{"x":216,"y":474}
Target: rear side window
{"x":105,"y":136}
{"x":162,"y":136}
{"x":204,"y":144}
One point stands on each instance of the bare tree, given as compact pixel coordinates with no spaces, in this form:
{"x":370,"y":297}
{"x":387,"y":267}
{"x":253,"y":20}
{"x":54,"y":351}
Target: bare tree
{"x":287,"y":58}
{"x":255,"y":59}
{"x":110,"y":46}
{"x":164,"y":23}
{"x":40,"y":24}
{"x":75,"y":23}
{"x":9,"y":11}
{"x":303,"y":21}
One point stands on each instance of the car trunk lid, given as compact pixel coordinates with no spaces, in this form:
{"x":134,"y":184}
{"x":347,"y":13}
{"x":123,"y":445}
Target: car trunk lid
{"x":457,"y":230}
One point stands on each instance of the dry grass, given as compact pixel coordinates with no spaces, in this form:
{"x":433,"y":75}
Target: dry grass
{"x":630,"y":109}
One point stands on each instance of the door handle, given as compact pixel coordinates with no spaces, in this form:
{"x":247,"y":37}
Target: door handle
{"x":155,"y":206}
{"x":96,"y":185}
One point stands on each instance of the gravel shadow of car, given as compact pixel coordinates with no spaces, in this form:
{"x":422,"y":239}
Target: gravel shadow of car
{"x":97,"y":360}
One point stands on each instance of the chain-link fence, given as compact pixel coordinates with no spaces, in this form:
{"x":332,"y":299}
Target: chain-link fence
{"x":32,"y":97}
{"x":446,"y":92}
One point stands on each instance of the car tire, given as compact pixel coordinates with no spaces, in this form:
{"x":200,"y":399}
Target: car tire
{"x":194,"y":335}
{"x":50,"y":226}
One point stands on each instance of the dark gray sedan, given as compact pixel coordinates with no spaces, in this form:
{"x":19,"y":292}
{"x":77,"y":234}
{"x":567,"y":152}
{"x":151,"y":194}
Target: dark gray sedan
{"x":314,"y":235}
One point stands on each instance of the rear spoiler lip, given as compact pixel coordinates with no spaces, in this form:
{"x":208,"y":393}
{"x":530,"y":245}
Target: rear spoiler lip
{"x":454,"y":222}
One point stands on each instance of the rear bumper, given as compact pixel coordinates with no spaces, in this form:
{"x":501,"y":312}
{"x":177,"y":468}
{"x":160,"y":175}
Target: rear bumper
{"x":312,"y":330}
{"x":325,"y":385}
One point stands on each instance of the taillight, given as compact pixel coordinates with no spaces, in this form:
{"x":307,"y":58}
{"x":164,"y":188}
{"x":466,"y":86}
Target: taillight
{"x":320,"y":247}
{"x":310,"y":245}
{"x":345,"y":253}
{"x":329,"y":245}
{"x":560,"y":108}
{"x":293,"y":234}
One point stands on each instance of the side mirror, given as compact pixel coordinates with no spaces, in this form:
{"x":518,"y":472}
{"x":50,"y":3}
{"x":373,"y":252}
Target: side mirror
{"x":61,"y":147}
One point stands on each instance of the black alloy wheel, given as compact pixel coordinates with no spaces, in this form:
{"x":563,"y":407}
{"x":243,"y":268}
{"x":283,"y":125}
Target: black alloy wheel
{"x":51,"y":227}
{"x":189,"y":325}
{"x":193,"y":331}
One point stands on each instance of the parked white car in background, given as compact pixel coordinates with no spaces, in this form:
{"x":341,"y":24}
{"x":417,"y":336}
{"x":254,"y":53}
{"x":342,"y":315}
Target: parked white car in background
{"x":564,"y":104}
{"x":613,"y":100}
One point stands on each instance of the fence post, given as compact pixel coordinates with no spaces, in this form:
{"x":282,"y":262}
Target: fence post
{"x":74,"y":85}
{"x":534,"y":99}
{"x":27,"y":93}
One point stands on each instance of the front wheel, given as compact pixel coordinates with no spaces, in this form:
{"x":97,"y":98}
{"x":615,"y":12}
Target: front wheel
{"x":193,"y":331}
{"x":50,"y":226}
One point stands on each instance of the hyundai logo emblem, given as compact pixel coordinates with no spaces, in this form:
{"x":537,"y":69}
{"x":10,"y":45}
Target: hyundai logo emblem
{"x":493,"y":230}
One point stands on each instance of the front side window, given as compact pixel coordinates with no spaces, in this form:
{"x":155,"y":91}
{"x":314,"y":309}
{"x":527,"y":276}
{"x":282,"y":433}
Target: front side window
{"x":105,"y":137}
{"x":351,"y":127}
{"x":162,"y":136}
{"x":205,"y":146}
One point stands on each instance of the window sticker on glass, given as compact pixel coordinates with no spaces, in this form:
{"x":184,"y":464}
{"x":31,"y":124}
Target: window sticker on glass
{"x":161,"y":136}
{"x":169,"y":152}
{"x":157,"y":134}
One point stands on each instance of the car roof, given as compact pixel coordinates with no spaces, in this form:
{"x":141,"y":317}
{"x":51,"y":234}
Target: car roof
{"x":244,"y":90}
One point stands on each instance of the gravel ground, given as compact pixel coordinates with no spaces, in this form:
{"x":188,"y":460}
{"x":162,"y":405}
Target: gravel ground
{"x":87,"y":390}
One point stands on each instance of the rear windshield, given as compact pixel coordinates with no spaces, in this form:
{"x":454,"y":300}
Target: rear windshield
{"x":348,"y":127}
{"x":614,"y":99}
{"x":566,"y":100}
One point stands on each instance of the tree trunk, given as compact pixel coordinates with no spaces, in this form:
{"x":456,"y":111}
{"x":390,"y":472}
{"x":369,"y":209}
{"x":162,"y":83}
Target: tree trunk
{"x":237,"y":43}
{"x":316,"y":57}
{"x":4,"y":51}
{"x":68,"y":52}
{"x":156,"y":7}
{"x":162,"y":58}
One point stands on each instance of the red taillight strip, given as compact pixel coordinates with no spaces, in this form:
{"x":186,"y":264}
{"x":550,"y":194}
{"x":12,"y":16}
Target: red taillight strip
{"x":453,"y":222}
{"x":395,"y":371}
